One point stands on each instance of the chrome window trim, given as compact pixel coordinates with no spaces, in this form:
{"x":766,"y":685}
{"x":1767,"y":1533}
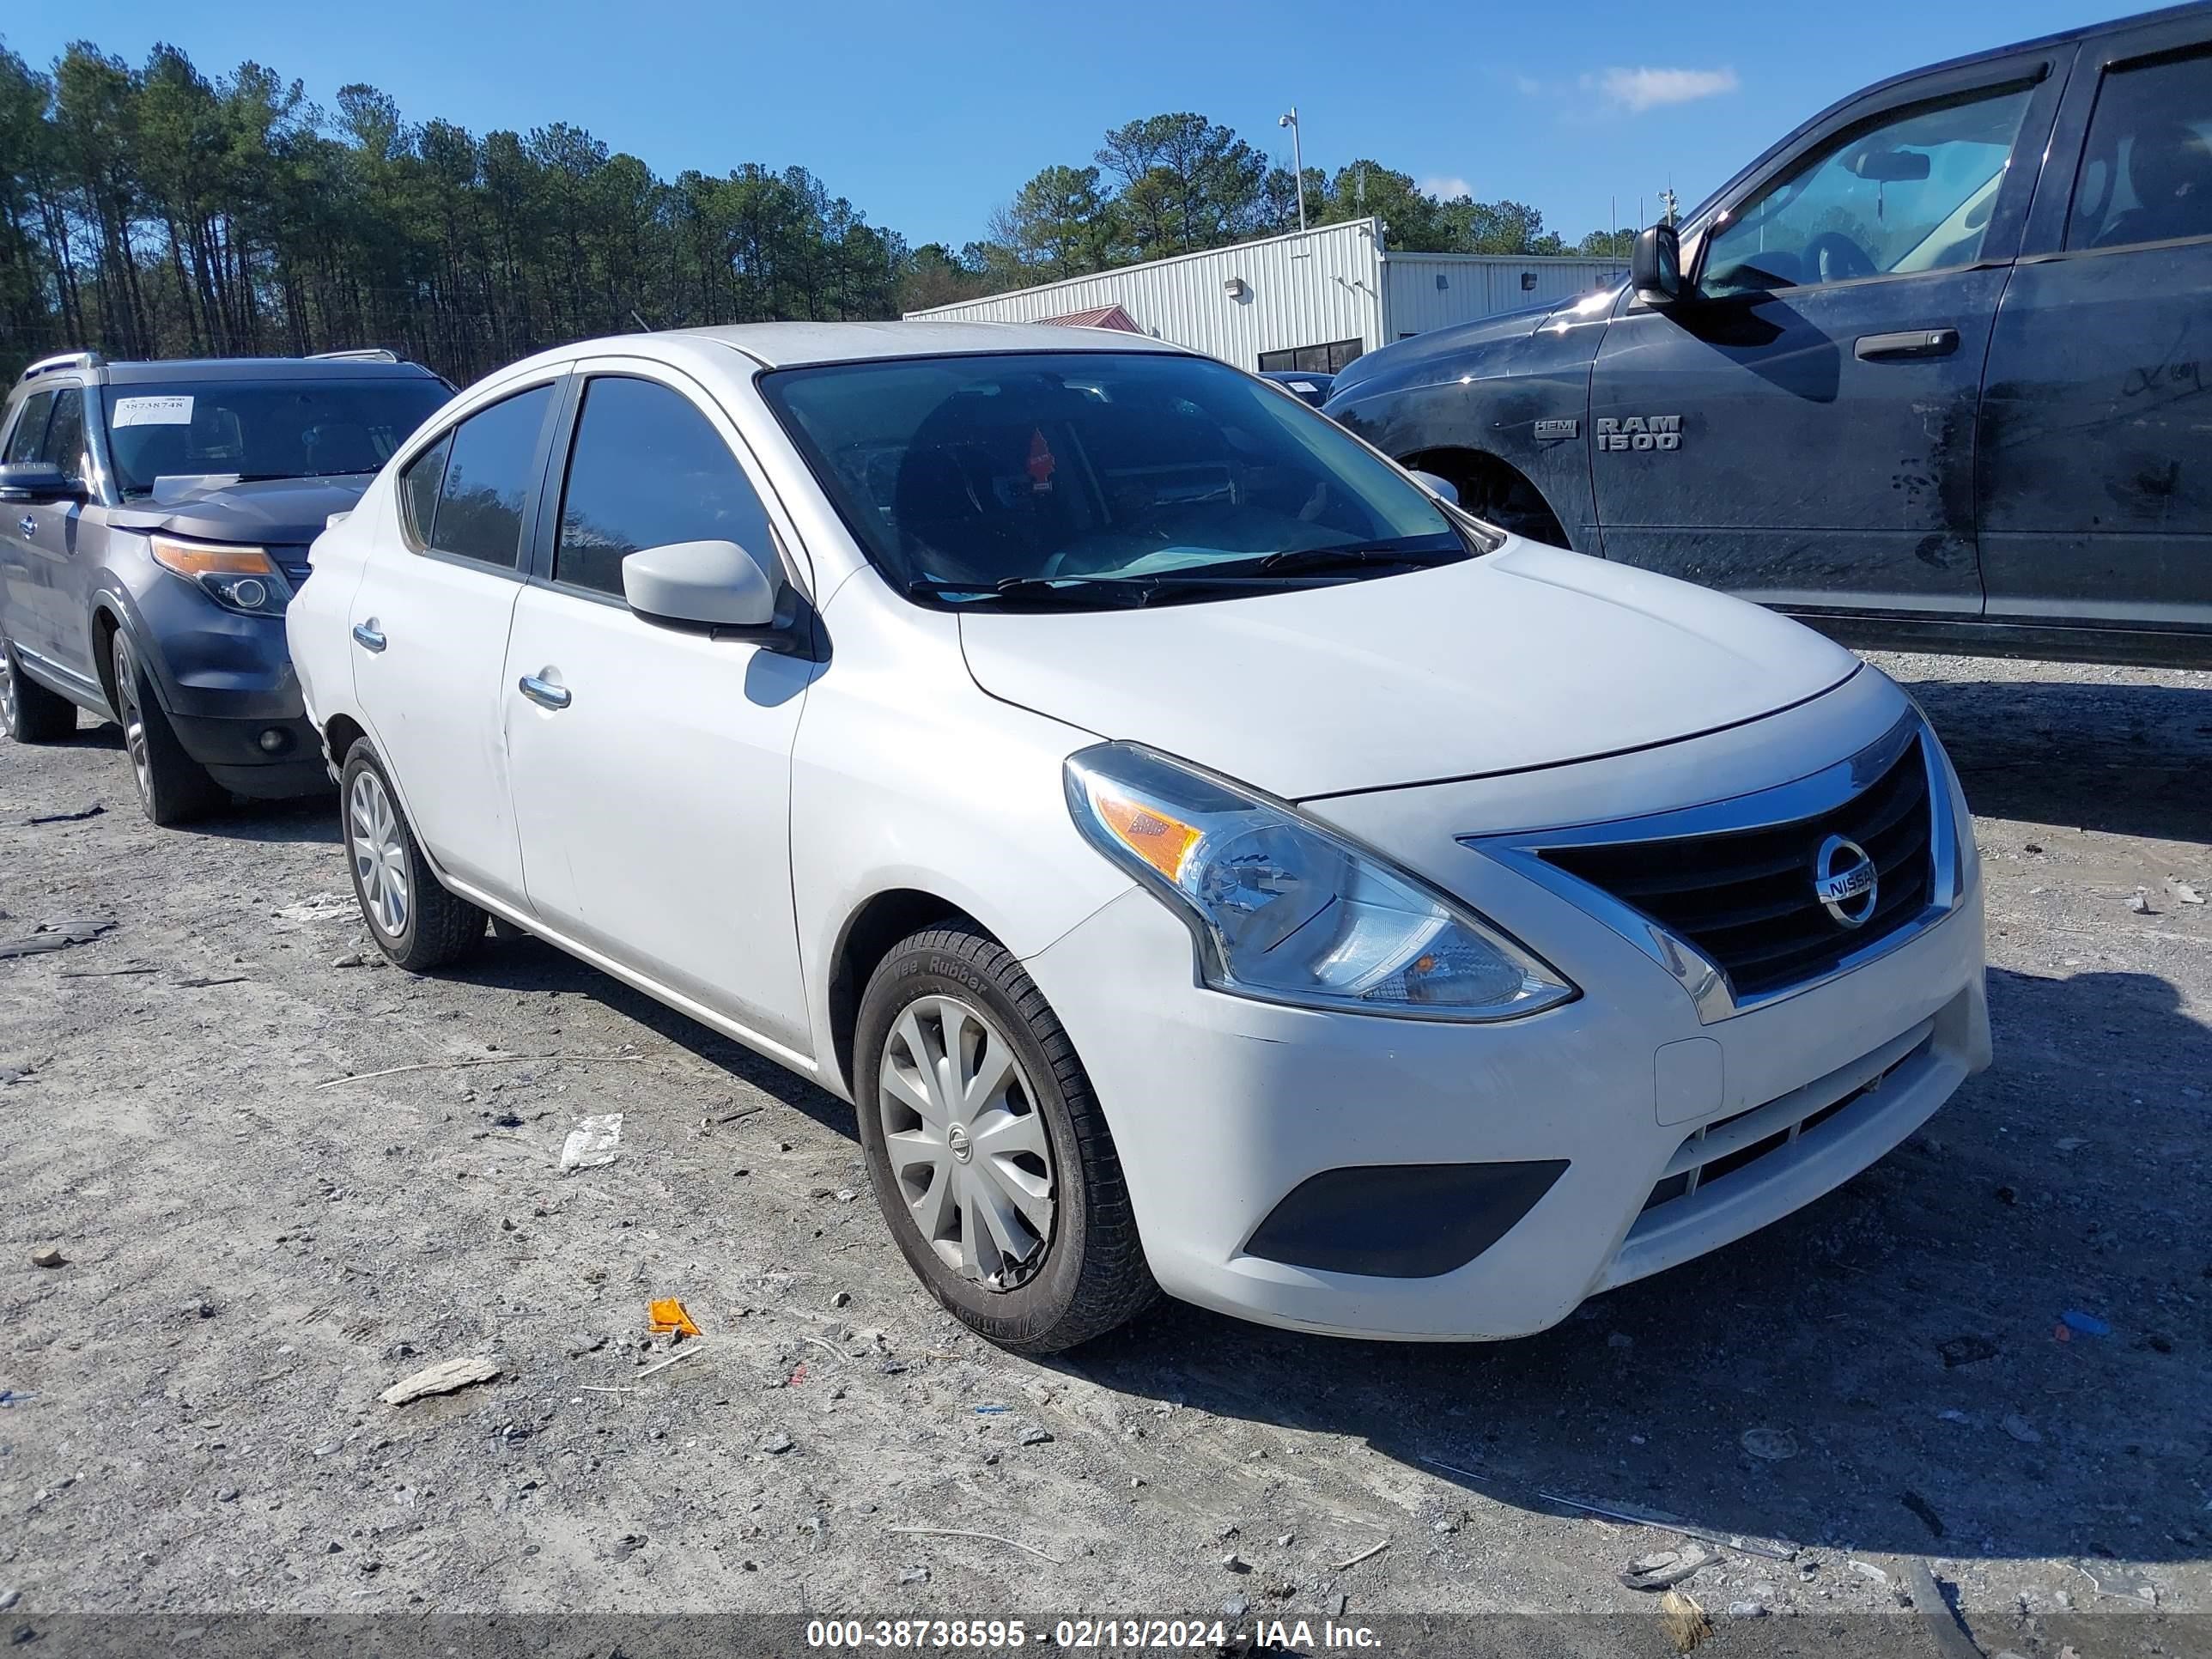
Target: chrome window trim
{"x":1806,"y":797}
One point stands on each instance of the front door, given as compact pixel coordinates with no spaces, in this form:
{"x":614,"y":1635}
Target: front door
{"x":651,"y":765}
{"x":1799,"y":429}
{"x":430,"y":622}
{"x":2097,"y":503}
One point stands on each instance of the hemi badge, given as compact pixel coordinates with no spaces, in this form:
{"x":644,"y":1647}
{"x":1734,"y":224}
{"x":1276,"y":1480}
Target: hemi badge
{"x":1549,"y":430}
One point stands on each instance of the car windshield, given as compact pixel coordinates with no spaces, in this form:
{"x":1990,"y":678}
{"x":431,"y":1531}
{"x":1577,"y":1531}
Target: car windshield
{"x":261,"y":429}
{"x":1099,"y":479}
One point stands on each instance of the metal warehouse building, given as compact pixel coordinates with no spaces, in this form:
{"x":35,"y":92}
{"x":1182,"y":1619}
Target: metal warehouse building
{"x":1310,"y":299}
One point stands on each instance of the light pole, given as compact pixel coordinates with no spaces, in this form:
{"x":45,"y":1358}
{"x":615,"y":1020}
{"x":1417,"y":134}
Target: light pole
{"x":1297,"y":159}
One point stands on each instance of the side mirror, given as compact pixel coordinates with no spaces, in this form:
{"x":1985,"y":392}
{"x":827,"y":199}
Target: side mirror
{"x":708,"y":584}
{"x":1436,"y":486}
{"x":38,"y":481}
{"x":1656,"y":266}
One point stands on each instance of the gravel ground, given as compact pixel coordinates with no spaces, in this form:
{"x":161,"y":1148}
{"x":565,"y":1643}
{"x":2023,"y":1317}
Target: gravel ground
{"x":260,"y":1239}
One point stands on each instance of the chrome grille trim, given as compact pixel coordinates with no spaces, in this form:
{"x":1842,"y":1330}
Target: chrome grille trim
{"x":1808,"y":797}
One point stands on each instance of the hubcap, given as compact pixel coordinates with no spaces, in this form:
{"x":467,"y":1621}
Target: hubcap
{"x":134,"y":717}
{"x":379,"y":856}
{"x":7,"y":689}
{"x":967,"y":1146}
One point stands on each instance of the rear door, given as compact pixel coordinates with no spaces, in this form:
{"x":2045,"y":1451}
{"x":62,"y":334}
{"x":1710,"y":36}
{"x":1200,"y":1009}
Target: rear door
{"x":2096,"y":497}
{"x":24,"y":617}
{"x":429,"y":624}
{"x":650,"y":765}
{"x":1800,"y":429}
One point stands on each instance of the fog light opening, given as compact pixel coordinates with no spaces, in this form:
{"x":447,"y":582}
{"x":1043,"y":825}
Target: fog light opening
{"x":275,"y":740}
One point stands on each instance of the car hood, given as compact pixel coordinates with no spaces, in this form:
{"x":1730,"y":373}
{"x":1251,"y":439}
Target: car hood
{"x":1529,"y":657}
{"x":279,"y":512}
{"x":1441,"y":353}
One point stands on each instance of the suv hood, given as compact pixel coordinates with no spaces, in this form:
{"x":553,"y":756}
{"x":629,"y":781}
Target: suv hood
{"x":280,"y":512}
{"x":1529,"y":657}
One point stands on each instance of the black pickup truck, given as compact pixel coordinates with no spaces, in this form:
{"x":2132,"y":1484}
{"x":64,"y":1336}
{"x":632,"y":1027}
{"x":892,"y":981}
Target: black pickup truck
{"x":1931,"y":372}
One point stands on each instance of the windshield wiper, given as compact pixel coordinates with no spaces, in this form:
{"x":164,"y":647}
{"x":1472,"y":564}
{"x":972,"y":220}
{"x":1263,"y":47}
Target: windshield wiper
{"x":1040,"y":592}
{"x":1326,"y":560}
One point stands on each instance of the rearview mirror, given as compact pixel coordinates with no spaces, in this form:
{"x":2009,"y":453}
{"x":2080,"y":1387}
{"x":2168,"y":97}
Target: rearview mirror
{"x":37,"y":481}
{"x":1654,"y":266}
{"x":1891,"y":166}
{"x":1436,"y":486}
{"x":710,"y":584}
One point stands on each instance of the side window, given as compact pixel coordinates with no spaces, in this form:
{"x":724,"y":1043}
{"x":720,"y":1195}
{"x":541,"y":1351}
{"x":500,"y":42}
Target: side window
{"x":65,"y":443}
{"x":2146,"y":163}
{"x":1912,"y":191}
{"x":489,"y":475}
{"x":419,"y":492}
{"x":648,"y":469}
{"x":30,"y":433}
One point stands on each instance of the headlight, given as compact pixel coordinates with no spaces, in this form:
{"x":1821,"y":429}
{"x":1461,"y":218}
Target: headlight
{"x":1285,"y":911}
{"x":244,"y":579}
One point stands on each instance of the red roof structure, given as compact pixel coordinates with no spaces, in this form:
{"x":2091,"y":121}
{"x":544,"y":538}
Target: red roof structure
{"x":1098,"y":317}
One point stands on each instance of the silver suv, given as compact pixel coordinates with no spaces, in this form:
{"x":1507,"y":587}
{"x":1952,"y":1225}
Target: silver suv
{"x":155,"y":520}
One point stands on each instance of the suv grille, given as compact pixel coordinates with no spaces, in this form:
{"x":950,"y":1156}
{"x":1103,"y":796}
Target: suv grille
{"x":1745,"y":898}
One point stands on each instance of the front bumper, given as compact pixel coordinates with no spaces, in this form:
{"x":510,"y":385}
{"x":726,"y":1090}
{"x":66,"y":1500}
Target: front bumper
{"x":1677,"y":1134}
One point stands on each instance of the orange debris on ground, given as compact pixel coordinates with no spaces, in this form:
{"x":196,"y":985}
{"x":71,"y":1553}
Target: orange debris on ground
{"x":668,"y":1315}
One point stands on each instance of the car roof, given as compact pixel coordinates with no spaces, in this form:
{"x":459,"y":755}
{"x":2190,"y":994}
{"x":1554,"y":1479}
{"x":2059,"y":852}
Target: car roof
{"x":259,"y":368}
{"x":788,"y":345}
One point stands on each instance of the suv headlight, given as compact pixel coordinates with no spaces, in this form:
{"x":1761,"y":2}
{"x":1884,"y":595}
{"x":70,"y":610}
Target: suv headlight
{"x":1286,"y":911}
{"x":242,"y":579}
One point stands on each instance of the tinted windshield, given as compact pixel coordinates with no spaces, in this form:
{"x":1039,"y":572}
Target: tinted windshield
{"x":266,"y":429}
{"x":1123,"y":474}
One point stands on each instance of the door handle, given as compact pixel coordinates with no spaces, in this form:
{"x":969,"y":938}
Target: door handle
{"x":29,"y":525}
{"x":365,"y":636}
{"x":545,"y":693}
{"x":1904,"y":346}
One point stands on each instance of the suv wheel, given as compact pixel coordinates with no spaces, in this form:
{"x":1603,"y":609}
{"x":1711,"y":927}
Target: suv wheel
{"x":30,"y":712}
{"x":172,"y":786}
{"x":413,"y":919}
{"x":990,"y":1158}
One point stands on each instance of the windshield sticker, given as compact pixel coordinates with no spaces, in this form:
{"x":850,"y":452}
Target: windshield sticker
{"x":152,"y":412}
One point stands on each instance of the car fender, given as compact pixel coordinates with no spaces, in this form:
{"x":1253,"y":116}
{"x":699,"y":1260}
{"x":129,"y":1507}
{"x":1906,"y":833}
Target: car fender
{"x":1517,"y":388}
{"x":907,"y":776}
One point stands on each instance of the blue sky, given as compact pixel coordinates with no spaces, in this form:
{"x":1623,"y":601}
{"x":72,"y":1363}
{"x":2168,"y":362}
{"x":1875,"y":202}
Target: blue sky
{"x":927,"y":116}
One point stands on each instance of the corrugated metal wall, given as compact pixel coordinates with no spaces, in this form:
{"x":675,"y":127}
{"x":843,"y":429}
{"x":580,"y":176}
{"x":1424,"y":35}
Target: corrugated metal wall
{"x":1478,"y":285}
{"x":1308,"y":289}
{"x":1298,"y":290}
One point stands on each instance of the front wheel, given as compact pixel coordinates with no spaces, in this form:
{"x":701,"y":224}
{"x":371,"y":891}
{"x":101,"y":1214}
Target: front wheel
{"x":990,"y":1156}
{"x":173,"y":788}
{"x":414,"y":921}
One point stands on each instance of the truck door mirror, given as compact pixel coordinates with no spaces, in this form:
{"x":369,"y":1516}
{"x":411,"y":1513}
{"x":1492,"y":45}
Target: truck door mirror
{"x":1655,"y":267}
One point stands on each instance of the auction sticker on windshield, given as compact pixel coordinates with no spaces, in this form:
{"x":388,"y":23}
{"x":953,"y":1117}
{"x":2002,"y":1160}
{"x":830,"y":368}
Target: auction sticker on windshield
{"x":152,"y":412}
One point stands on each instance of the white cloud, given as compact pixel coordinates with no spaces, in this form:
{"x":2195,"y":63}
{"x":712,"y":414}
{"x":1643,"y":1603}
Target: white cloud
{"x":1641,"y":89}
{"x":1526,"y":85}
{"x":1445,"y":188}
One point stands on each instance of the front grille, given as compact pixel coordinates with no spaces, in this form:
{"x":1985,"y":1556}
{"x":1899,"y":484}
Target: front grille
{"x":1745,"y":897}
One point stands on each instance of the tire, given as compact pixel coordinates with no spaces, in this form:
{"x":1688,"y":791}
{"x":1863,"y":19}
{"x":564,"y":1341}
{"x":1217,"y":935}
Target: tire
{"x":173,"y":788}
{"x":1496,"y":493}
{"x":1084,"y":1272}
{"x":30,"y":712}
{"x":414,"y":921}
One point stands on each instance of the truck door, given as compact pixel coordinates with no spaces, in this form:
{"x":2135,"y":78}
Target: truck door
{"x":1798,"y":429}
{"x":2096,"y":501}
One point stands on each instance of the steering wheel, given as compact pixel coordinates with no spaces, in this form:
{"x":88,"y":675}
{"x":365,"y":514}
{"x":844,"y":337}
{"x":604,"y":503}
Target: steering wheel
{"x":1833,"y":256}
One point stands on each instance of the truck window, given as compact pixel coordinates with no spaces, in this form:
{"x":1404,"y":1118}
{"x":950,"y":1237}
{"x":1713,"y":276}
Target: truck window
{"x":2147,"y":165}
{"x":1912,"y":191}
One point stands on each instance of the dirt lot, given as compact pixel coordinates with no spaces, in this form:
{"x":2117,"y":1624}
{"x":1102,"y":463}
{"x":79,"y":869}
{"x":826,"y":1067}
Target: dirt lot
{"x":253,"y":1256}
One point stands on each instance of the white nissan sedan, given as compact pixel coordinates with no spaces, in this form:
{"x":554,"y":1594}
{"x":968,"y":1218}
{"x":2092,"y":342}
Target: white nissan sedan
{"x":1208,"y":859}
